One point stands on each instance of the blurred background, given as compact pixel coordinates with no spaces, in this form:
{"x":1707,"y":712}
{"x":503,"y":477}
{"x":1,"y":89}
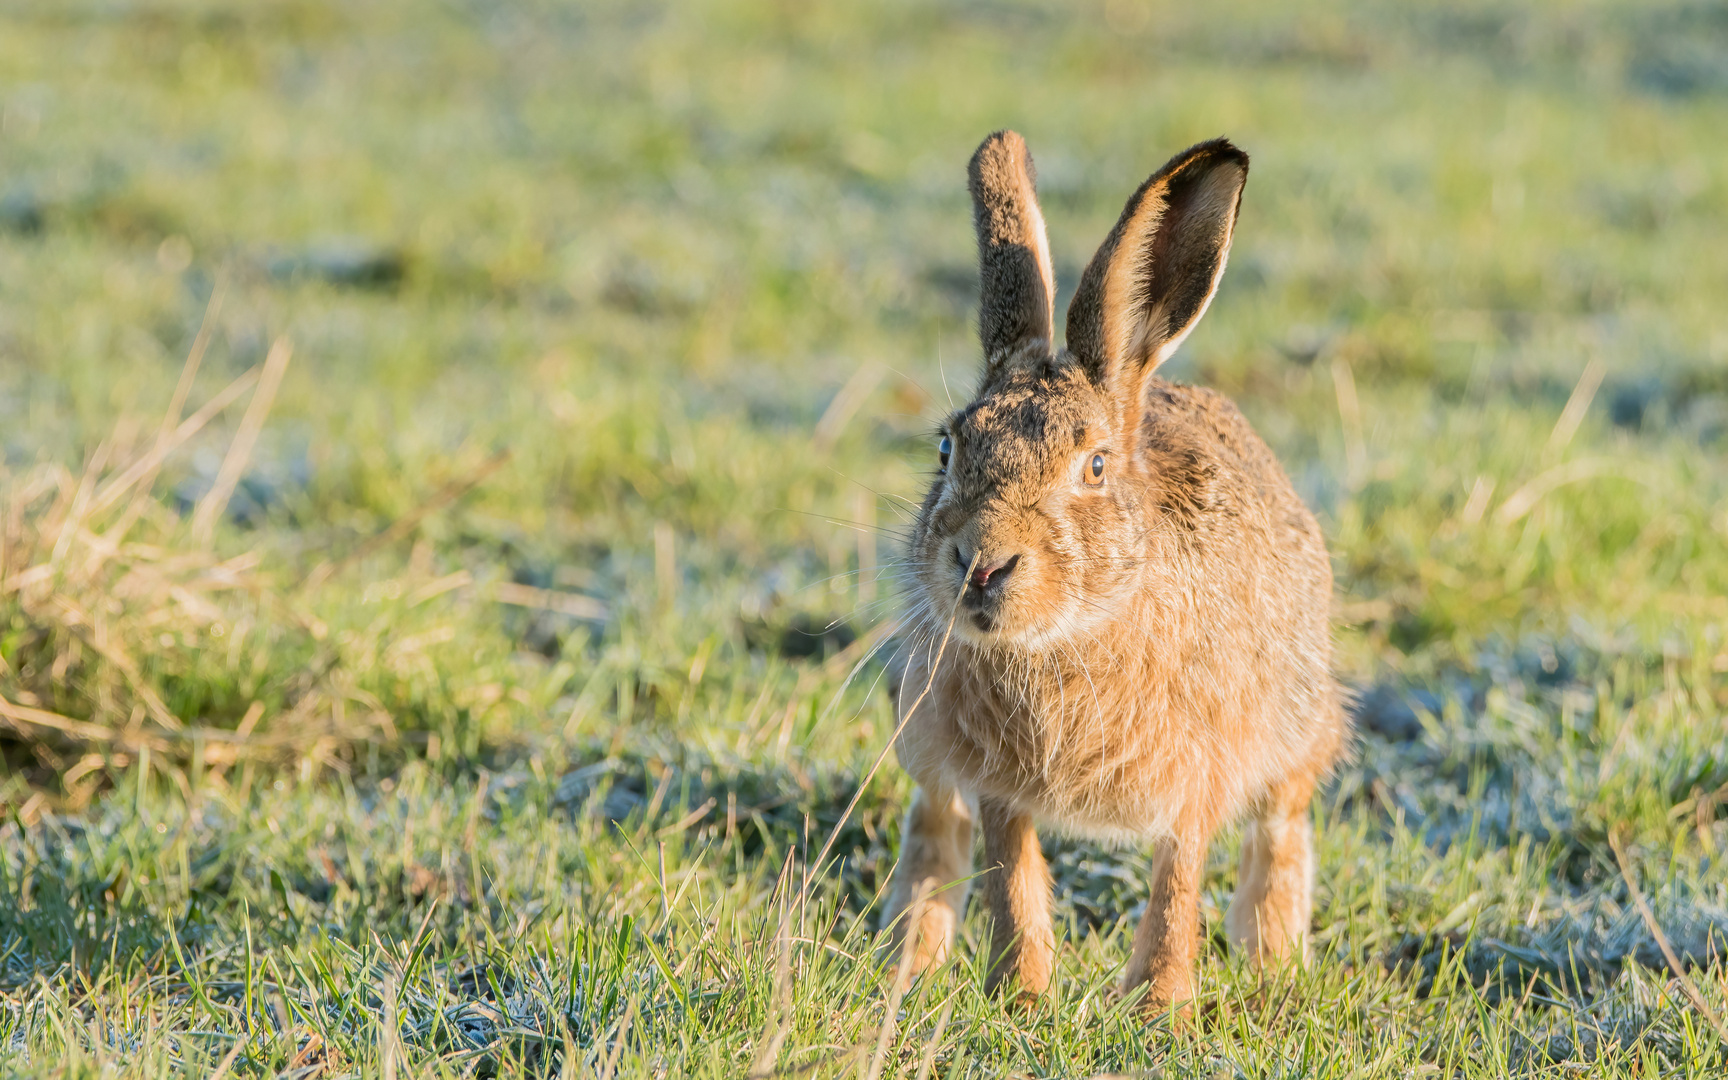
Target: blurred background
{"x":611,"y":338}
{"x":705,"y":271}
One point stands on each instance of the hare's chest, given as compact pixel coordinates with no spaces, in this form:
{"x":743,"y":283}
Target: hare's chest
{"x":1090,"y":766}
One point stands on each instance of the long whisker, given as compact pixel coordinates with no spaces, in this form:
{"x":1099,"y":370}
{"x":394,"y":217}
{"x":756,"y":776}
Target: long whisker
{"x":890,"y":531}
{"x":815,"y":868}
{"x":887,"y":634}
{"x":884,"y":572}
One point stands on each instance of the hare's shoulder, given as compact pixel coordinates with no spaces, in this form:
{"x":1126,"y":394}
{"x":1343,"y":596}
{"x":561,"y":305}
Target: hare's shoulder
{"x":1204,"y":426}
{"x":1210,"y":456}
{"x":1197,"y":419}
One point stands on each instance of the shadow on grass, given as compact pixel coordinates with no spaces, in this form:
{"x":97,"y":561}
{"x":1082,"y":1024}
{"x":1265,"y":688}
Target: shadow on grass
{"x":60,"y":909}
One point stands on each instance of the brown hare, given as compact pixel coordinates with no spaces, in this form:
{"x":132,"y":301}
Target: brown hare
{"x":1118,"y":615}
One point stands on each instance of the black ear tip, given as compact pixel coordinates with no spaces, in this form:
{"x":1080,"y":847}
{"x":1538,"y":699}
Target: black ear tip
{"x":1218,"y":151}
{"x":1201,"y":159}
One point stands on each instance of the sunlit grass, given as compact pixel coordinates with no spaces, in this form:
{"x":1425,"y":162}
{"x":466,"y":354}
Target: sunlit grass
{"x":541,"y":745}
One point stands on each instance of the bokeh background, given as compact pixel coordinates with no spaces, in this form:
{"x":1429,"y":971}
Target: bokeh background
{"x":559,"y":527}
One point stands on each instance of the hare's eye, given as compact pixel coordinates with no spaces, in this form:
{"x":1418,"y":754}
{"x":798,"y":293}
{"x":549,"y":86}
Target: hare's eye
{"x":943,"y":450}
{"x":1095,"y":470}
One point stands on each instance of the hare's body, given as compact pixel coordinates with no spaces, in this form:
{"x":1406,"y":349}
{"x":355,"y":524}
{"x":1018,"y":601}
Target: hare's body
{"x":1120,"y":625}
{"x":1208,"y":684}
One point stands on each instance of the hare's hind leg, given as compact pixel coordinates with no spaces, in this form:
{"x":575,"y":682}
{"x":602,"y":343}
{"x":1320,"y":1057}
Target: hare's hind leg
{"x":935,"y":860}
{"x":1269,"y":915}
{"x":1017,"y":888}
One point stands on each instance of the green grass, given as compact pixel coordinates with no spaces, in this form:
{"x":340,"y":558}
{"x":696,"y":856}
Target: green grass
{"x":704,"y":271}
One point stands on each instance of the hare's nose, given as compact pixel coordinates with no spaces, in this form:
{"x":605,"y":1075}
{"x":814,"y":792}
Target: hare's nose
{"x":996,"y":573}
{"x":986,"y":573}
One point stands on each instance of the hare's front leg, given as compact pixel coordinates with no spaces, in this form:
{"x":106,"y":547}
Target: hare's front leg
{"x":935,"y":860}
{"x":1168,"y":937}
{"x":1017,"y":889}
{"x":1269,"y":915}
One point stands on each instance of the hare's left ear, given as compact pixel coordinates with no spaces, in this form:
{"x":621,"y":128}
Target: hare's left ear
{"x":1017,"y":289}
{"x":1157,"y":270}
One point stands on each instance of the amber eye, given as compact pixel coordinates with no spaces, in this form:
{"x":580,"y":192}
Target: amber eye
{"x":943,"y":449}
{"x":1095,"y":470}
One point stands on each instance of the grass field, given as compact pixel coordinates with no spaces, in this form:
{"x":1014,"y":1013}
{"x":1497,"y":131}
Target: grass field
{"x":455,"y":674}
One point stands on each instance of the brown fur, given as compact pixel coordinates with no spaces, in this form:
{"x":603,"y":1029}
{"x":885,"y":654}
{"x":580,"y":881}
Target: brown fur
{"x":1144,"y":659}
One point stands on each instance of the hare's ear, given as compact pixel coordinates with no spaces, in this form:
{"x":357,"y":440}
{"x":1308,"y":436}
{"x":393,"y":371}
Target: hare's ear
{"x":1017,"y":288}
{"x":1157,"y":270}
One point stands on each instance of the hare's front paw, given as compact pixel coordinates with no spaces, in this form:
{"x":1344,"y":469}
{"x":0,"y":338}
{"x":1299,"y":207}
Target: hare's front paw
{"x":1153,"y":998}
{"x":1023,"y":971}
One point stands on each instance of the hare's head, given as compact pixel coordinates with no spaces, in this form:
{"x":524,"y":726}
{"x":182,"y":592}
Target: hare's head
{"x":1039,"y":510}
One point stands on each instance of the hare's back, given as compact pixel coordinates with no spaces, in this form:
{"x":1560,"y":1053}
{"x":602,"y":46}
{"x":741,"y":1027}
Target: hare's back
{"x":1237,"y":525}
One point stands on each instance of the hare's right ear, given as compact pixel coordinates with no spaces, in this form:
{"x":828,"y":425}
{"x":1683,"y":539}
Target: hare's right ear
{"x":1157,"y":270}
{"x":1017,"y":289}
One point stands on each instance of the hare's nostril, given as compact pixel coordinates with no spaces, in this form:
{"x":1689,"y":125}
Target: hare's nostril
{"x":995,"y":574}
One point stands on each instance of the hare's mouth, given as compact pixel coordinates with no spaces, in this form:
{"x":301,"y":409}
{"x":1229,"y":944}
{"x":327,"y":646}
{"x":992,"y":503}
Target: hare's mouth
{"x":1000,"y":627}
{"x":983,"y":617}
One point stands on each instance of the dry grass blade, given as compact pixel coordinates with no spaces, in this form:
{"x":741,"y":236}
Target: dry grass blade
{"x":176,"y":406}
{"x":572,"y":604}
{"x":389,"y":1035}
{"x":227,"y":1061}
{"x":935,"y":1044}
{"x":780,"y":1013}
{"x":1655,"y":929}
{"x":902,"y":980}
{"x":194,"y":360}
{"x":618,"y":1047}
{"x":846,"y":404}
{"x":1524,"y":500}
{"x":149,"y":463}
{"x":220,"y":747}
{"x":406,"y":524}
{"x":128,"y":668}
{"x":95,"y":640}
{"x":42,"y":718}
{"x":211,"y":506}
{"x":688,"y":820}
{"x":1583,"y":393}
{"x":69,"y":525}
{"x":814,"y":867}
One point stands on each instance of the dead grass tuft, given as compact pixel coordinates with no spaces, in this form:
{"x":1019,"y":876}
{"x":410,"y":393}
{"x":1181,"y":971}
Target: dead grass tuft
{"x":130,"y":640}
